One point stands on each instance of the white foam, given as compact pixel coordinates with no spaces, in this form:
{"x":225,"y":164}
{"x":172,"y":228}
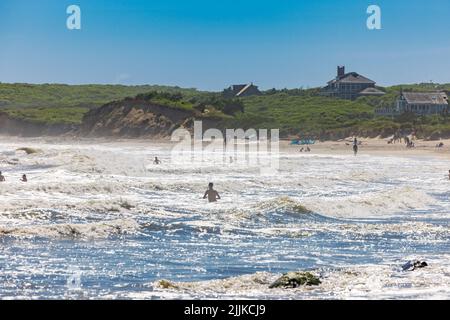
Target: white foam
{"x":356,"y":282}
{"x":94,"y":230}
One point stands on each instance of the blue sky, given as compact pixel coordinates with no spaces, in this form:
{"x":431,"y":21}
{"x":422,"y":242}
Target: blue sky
{"x":212,"y":44}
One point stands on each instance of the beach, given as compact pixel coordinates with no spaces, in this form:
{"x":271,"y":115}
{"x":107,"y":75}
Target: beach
{"x":377,"y":146}
{"x":98,"y":219}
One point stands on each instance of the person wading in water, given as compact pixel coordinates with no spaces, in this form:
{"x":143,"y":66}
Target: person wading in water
{"x":355,"y":146}
{"x":211,"y":194}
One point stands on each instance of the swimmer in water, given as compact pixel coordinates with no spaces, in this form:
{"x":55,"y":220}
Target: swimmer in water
{"x":24,"y":178}
{"x":157,"y":161}
{"x":2,"y":177}
{"x":212,"y":194}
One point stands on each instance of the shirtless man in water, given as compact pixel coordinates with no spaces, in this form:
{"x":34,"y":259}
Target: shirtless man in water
{"x":2,"y":177}
{"x":212,"y":194}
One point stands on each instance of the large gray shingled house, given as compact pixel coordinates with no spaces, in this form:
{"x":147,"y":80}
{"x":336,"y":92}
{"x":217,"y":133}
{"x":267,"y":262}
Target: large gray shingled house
{"x":350,"y":85}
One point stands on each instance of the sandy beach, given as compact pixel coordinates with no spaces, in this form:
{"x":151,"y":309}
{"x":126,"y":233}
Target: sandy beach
{"x":378,"y":147}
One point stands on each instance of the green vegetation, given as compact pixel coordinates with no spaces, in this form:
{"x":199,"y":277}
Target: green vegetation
{"x":61,"y":95}
{"x":48,"y":116}
{"x":211,"y":105}
{"x":66,"y":104}
{"x":171,"y":100}
{"x":302,"y":114}
{"x":307,"y":114}
{"x":296,"y":112}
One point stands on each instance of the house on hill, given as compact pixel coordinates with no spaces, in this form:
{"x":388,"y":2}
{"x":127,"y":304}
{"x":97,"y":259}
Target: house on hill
{"x":350,"y":86}
{"x":241,"y":90}
{"x":420,"y":103}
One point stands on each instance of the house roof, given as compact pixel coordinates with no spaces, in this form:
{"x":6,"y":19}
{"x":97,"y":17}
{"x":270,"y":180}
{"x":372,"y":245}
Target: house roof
{"x":372,"y":92}
{"x":238,"y":87}
{"x":244,"y":89}
{"x":352,"y":77}
{"x":437,"y":98}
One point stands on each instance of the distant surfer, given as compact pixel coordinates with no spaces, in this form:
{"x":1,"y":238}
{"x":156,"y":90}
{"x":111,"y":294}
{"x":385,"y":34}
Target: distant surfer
{"x":2,"y":177}
{"x":355,"y":146}
{"x":212,"y":194}
{"x":448,"y":175}
{"x":157,"y":161}
{"x":24,"y":178}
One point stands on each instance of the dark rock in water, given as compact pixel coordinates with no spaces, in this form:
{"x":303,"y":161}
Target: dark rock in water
{"x":166,"y":284}
{"x":413,"y":265}
{"x":296,"y":279}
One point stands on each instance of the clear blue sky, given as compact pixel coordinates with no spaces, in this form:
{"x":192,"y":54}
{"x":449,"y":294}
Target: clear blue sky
{"x":210,"y":44}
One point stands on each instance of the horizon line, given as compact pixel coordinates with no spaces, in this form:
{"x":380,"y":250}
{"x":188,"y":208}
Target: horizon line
{"x":202,"y":90}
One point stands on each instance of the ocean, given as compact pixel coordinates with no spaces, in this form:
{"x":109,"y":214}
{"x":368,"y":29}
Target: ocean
{"x":99,"y":220}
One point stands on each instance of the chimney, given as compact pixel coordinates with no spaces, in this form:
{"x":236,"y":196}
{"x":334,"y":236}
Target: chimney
{"x":340,"y":71}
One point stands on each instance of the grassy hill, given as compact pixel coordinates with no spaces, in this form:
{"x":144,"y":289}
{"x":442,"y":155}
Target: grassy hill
{"x":60,"y":103}
{"x":305,"y":113}
{"x":295,"y":112}
{"x":61,"y":95}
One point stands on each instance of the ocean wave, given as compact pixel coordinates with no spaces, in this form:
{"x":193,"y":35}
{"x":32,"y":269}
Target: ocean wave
{"x":326,"y":208}
{"x":371,"y":204}
{"x":97,"y":230}
{"x":60,"y":209}
{"x":384,"y":281}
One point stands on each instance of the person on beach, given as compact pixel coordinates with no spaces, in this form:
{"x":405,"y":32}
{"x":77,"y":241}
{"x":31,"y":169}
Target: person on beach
{"x":157,"y":161}
{"x":2,"y":177}
{"x":448,"y":174}
{"x":212,"y":194}
{"x":355,"y":146}
{"x":24,"y":178}
{"x":407,"y":142}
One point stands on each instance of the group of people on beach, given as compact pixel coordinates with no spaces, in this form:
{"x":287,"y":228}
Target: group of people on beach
{"x":400,"y":137}
{"x":307,"y":149}
{"x":3,"y":179}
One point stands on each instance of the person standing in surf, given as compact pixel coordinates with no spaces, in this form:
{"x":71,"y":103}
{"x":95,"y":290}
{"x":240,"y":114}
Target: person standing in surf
{"x":355,"y":146}
{"x":2,"y":177}
{"x":211,"y":194}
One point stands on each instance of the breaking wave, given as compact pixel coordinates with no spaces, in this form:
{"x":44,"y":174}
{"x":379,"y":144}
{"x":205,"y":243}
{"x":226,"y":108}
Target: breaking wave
{"x":384,"y":281}
{"x":97,"y":230}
